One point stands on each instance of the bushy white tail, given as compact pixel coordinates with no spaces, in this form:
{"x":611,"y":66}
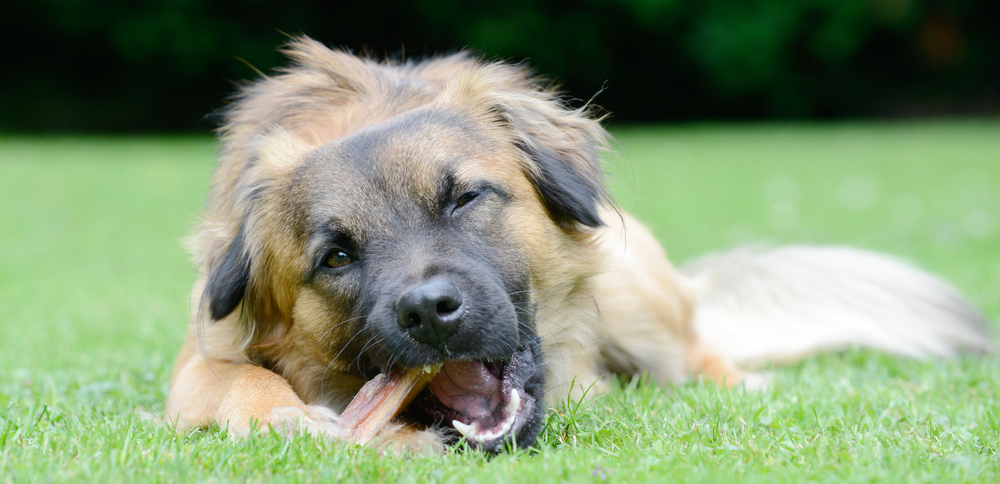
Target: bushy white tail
{"x":782,"y":304}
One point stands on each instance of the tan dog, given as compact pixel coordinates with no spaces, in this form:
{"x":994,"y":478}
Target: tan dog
{"x":369,"y":216}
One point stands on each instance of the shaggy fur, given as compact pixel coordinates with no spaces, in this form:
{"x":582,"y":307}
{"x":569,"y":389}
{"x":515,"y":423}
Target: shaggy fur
{"x":346,"y":187}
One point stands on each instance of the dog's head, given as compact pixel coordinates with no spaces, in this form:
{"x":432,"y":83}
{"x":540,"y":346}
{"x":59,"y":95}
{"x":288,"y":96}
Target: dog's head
{"x":367,"y":216}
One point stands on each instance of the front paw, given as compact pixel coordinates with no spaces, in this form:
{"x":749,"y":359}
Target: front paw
{"x":394,"y":439}
{"x":316,"y":420}
{"x":408,"y":440}
{"x":313,"y":419}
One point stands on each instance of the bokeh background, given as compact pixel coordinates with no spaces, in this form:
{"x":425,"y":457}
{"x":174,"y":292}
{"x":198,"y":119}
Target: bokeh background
{"x":161,"y":65}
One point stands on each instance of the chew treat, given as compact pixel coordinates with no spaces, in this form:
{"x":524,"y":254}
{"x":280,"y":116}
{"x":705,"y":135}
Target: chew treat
{"x":383,"y":398}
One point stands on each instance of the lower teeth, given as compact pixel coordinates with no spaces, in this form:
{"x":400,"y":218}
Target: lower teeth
{"x":472,"y":431}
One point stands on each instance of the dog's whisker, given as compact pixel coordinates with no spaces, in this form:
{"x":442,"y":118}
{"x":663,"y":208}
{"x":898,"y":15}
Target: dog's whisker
{"x":550,"y":291}
{"x":344,"y":347}
{"x":371,"y":342}
{"x":322,"y":381}
{"x":335,"y":326}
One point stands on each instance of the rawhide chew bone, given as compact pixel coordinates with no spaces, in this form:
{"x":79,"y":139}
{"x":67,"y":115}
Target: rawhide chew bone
{"x":382,"y":398}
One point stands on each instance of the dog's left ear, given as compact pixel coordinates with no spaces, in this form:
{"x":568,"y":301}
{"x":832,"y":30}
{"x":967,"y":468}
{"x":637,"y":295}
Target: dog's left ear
{"x":562,"y":147}
{"x":571,"y":196}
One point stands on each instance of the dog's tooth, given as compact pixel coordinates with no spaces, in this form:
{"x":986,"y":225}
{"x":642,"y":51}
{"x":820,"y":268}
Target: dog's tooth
{"x":469,"y":431}
{"x":472,"y":431}
{"x":514,"y":403}
{"x":507,"y":424}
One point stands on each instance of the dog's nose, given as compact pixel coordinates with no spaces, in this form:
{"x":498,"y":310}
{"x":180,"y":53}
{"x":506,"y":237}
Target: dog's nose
{"x":430,"y":312}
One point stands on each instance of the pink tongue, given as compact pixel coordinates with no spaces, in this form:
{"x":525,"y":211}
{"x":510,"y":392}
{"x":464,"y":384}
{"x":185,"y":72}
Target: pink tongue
{"x":468,"y":388}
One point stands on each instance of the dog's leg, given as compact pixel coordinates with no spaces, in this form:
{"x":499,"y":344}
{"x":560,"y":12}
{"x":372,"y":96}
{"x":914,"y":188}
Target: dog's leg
{"x":714,"y":367}
{"x":646,"y":310}
{"x":226,"y":390}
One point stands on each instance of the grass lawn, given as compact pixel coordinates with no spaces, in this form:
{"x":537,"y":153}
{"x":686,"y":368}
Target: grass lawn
{"x":93,"y":285}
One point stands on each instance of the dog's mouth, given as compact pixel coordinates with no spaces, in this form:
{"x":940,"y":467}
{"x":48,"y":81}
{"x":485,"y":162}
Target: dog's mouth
{"x":489,"y":403}
{"x":484,"y":401}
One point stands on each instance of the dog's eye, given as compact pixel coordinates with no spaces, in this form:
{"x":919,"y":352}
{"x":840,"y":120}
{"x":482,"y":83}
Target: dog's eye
{"x":337,"y":258}
{"x":466,"y":198}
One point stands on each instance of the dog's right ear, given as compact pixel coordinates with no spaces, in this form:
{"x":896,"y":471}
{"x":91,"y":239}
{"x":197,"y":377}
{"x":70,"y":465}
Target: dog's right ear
{"x":228,"y":279}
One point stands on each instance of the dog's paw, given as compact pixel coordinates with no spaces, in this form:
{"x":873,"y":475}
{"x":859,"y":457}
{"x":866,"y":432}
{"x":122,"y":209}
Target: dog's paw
{"x":406,"y":440}
{"x":312,"y":419}
{"x":316,"y":420}
{"x":394,"y":439}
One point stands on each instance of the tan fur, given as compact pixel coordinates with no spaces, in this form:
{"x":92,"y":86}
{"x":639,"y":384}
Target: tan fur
{"x":608,"y":300}
{"x":330,"y":94}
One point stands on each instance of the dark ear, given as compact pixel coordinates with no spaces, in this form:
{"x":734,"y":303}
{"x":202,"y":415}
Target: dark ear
{"x":228,"y":279}
{"x":571,"y":196}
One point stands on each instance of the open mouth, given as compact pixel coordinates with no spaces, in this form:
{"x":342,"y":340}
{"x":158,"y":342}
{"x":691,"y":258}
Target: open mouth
{"x":484,"y":401}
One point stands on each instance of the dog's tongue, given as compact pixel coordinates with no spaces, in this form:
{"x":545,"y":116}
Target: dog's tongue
{"x":467,"y":387}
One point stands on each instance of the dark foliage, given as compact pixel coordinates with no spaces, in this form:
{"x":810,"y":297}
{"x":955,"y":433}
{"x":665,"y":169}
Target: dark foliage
{"x":123,"y":65}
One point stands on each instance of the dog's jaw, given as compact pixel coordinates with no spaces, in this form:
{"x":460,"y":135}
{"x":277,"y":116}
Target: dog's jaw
{"x":489,"y":404}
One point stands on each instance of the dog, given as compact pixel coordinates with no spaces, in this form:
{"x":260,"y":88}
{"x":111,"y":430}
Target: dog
{"x":370,"y":215}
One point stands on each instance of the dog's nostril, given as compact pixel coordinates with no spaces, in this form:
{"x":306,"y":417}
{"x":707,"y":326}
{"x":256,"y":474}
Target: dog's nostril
{"x":449,"y":306}
{"x":413,"y":319}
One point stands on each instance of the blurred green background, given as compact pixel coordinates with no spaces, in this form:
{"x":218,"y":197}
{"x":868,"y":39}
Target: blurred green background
{"x":161,"y":65}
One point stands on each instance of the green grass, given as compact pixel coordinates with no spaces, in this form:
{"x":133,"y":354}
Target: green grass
{"x":93,"y":287}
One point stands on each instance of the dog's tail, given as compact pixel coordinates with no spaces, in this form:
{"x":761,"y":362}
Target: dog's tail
{"x":780,"y":305}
